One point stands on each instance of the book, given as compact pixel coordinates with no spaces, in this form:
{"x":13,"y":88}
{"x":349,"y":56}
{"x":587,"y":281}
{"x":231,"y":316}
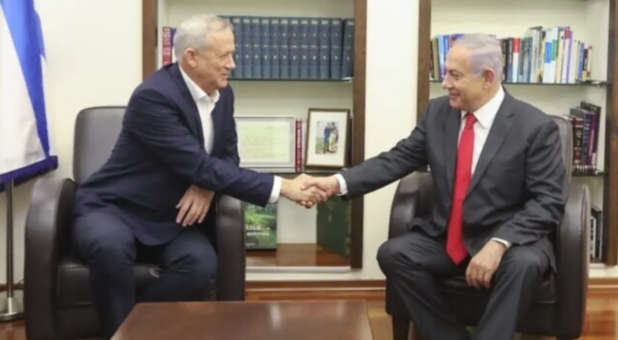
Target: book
{"x":260,"y":226}
{"x":333,"y":226}
{"x":167,"y":45}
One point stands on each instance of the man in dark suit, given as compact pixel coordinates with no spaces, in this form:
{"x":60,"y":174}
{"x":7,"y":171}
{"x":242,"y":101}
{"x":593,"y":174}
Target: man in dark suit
{"x":499,"y":187}
{"x":176,"y":150}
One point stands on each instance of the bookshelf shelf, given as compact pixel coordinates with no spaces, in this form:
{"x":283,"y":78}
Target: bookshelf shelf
{"x":599,"y":84}
{"x":345,"y":81}
{"x":594,"y":22}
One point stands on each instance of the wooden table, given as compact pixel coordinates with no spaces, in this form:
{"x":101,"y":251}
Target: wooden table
{"x":293,"y":320}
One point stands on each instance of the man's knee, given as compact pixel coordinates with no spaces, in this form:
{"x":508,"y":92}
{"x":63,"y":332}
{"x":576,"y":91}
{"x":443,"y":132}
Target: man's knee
{"x":526,"y":261}
{"x":390,"y":256}
{"x":109,"y":250}
{"x":200,"y":263}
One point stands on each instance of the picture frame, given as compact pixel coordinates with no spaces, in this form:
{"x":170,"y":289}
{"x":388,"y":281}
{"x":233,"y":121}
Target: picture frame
{"x":266,"y":143}
{"x":327,"y":138}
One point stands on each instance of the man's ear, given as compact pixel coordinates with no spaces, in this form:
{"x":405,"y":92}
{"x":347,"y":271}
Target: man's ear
{"x":190,"y":55}
{"x":489,"y":76}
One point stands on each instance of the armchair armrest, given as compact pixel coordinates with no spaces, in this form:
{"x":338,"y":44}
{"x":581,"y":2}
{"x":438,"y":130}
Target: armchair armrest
{"x":48,"y":218}
{"x":412,"y":198}
{"x":572,"y":258}
{"x":231,"y":249}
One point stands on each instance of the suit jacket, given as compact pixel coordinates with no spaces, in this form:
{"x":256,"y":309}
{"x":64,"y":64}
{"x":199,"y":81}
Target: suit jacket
{"x":517,"y":191}
{"x":160,"y":153}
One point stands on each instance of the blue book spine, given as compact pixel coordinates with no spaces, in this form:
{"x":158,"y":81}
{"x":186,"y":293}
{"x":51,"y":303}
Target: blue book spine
{"x":304,"y":47}
{"x":314,"y":48}
{"x":256,"y":35}
{"x":284,"y":48}
{"x":239,"y":45}
{"x":442,"y":55}
{"x":247,"y":50}
{"x":347,"y":67}
{"x":266,"y":48}
{"x":324,"y":49}
{"x":336,"y":34}
{"x":275,"y":41}
{"x":294,"y":48}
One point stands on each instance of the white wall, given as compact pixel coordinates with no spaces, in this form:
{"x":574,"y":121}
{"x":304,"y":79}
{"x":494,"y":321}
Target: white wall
{"x":94,"y":57}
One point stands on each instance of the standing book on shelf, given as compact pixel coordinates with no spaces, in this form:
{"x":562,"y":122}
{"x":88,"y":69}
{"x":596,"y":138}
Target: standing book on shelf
{"x":333,"y":226}
{"x":260,"y":226}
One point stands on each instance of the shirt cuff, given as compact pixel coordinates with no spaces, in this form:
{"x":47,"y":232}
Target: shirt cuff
{"x":276,"y":190}
{"x":506,"y":243}
{"x":343,"y":186}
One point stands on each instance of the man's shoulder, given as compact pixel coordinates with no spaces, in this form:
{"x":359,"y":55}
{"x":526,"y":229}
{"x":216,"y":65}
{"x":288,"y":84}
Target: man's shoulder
{"x":439,"y":104}
{"x":526,"y":111}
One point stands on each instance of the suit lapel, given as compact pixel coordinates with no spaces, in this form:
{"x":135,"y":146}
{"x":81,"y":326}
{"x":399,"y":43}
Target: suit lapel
{"x":217,"y":122}
{"x":187,"y":105}
{"x":451,"y":134}
{"x":497,"y":134}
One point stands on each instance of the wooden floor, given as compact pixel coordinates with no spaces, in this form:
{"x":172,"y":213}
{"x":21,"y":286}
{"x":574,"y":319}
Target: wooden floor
{"x":601,"y":316}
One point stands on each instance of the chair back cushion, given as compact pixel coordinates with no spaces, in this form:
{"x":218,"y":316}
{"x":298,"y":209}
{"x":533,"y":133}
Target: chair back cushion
{"x":566,"y":139}
{"x":96,"y":132}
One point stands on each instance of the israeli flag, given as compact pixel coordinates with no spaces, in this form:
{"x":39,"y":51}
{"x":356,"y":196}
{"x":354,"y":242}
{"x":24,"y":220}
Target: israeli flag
{"x":24,"y":143}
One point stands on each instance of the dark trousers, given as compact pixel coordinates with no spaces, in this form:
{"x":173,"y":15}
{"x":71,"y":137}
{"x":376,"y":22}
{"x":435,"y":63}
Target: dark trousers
{"x":108,"y":246}
{"x":414,"y":263}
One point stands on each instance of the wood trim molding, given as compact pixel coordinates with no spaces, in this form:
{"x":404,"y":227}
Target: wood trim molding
{"x":604,"y":284}
{"x":358,"y":127}
{"x":424,"y":47}
{"x":149,"y":37}
{"x":610,"y":193}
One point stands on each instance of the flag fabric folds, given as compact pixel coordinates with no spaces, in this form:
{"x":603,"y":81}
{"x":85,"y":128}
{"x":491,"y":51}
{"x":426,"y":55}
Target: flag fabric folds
{"x":24,"y":142}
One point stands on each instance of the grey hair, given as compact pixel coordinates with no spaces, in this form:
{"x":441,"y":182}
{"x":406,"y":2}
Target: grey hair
{"x":485,"y":52}
{"x":195,"y":32}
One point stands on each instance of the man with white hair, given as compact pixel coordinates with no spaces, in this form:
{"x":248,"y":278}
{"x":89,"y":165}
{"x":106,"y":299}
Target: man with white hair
{"x":177,"y":149}
{"x":499,"y":190}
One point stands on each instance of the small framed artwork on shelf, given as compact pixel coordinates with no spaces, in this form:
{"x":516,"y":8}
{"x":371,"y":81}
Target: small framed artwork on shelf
{"x":327,"y":132}
{"x":266,"y":143}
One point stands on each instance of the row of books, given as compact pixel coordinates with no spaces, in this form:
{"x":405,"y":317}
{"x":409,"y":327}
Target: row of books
{"x":596,"y":235}
{"x":585,"y":121}
{"x":286,"y":47}
{"x":543,"y":55}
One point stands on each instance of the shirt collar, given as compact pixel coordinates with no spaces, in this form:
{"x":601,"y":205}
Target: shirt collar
{"x":196,"y":92}
{"x":485,"y":114}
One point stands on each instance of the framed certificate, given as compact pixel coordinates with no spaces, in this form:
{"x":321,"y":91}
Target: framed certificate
{"x":266,"y":142}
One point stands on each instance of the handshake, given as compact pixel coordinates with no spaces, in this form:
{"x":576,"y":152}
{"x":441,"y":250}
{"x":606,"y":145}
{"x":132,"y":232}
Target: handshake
{"x":308,"y":190}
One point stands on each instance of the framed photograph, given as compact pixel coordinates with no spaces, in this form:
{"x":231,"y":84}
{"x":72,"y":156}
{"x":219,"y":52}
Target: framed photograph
{"x":327,"y":138}
{"x":266,"y":142}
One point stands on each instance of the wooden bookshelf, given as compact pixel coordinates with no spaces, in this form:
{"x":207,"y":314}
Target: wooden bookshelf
{"x":610,"y":173}
{"x":357,"y":140}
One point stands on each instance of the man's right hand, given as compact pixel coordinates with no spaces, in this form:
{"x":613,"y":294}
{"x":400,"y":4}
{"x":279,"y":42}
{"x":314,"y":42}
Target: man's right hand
{"x":329,"y":185}
{"x":193,"y":206}
{"x":300,"y":192}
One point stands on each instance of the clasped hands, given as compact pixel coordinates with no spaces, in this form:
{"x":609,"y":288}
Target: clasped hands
{"x":308,"y":190}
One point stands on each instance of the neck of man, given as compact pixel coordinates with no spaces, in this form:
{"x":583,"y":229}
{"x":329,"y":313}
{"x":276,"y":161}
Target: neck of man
{"x":487,"y":96}
{"x":193,"y":76}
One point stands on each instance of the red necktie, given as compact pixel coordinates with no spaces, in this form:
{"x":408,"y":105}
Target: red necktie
{"x":455,"y":247}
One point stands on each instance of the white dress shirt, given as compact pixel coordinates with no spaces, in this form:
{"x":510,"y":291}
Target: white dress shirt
{"x":205,"y":104}
{"x":485,"y":116}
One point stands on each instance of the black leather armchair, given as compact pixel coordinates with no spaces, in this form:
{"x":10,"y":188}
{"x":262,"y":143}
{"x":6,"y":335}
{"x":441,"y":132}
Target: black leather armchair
{"x":57,"y":297}
{"x":559,"y":304}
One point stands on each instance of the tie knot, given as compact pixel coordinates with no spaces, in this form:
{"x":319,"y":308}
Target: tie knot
{"x":470,"y":119}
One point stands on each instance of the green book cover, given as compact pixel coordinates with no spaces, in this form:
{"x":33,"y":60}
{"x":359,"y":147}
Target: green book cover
{"x":333,"y":226}
{"x":260,"y":226}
